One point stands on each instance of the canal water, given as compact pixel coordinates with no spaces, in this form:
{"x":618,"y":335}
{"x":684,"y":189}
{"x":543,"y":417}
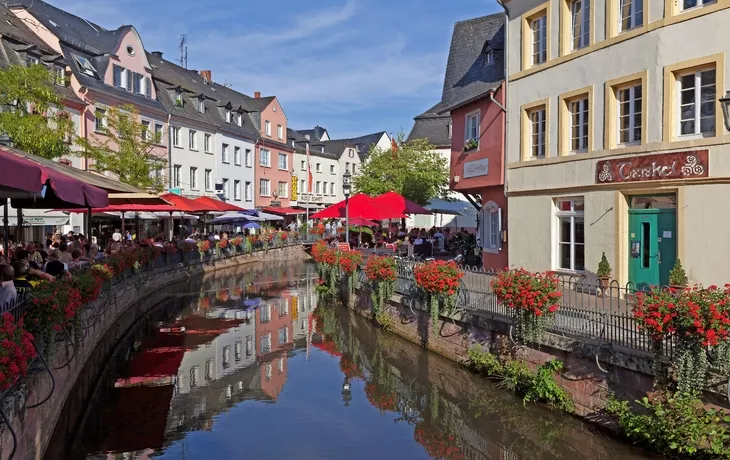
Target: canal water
{"x":247,"y":365}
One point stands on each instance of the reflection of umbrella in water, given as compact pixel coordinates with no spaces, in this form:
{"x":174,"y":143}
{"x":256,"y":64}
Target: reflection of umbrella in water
{"x":251,"y":304}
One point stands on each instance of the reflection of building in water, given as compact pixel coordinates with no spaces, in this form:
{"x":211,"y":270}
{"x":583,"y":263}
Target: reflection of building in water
{"x":274,"y":338}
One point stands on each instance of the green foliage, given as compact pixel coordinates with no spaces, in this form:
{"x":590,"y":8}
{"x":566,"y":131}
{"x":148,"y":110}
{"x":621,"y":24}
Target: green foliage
{"x":126,"y":149}
{"x":415,"y":170}
{"x":470,"y":145}
{"x":543,"y":387}
{"x":677,"y":275}
{"x":676,"y":425}
{"x":604,"y":268}
{"x":484,"y":362}
{"x":384,"y":320}
{"x":31,"y":119}
{"x":691,"y":366}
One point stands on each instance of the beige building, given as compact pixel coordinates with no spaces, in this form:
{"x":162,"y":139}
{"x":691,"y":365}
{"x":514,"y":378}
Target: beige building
{"x":616,"y":140}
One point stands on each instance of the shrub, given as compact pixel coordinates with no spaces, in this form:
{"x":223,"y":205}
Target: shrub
{"x":677,"y":275}
{"x":604,"y":268}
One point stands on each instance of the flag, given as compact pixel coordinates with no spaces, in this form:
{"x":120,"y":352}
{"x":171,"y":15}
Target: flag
{"x":309,"y":171}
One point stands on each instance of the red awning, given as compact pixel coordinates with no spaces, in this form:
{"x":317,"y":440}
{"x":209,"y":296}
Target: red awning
{"x":18,"y":174}
{"x":399,"y":202}
{"x":62,"y":190}
{"x":217,"y":205}
{"x":282,"y":211}
{"x":185,"y":204}
{"x":361,"y":206}
{"x":129,"y":208}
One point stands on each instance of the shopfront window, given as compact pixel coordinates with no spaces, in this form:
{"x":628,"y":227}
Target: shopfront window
{"x":571,"y":234}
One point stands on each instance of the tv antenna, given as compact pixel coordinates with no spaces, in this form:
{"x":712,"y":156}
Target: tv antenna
{"x":184,"y":50}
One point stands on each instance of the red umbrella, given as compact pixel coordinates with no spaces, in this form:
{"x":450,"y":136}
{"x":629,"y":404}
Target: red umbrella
{"x":359,"y":221}
{"x":362,"y":206}
{"x":399,"y":202}
{"x":19,"y":174}
{"x":185,"y":204}
{"x":217,"y":205}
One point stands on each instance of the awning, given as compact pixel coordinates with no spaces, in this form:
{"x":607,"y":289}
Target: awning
{"x":130,"y":208}
{"x":129,"y":198}
{"x":217,"y":205}
{"x":400,"y":203}
{"x":185,"y":204}
{"x":282,"y":211}
{"x":360,"y":205}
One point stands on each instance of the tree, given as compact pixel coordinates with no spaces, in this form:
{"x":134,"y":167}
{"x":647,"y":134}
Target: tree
{"x":126,"y":150}
{"x":415,"y":170}
{"x":30,"y":115}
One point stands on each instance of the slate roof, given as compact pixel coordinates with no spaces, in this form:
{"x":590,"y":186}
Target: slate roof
{"x":315,"y":134}
{"x":314,"y":147}
{"x":468,"y":76}
{"x":18,"y":40}
{"x":363,"y":142}
{"x":432,"y":126}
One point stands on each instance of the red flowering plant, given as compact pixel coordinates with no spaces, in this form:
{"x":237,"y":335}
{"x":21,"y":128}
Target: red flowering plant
{"x":88,"y":283}
{"x":350,"y":261}
{"x":329,"y":271}
{"x":383,"y":400}
{"x":317,"y":230}
{"x":223,"y":295}
{"x":533,"y":298}
{"x":436,"y":442}
{"x":440,"y":280}
{"x":237,"y":242}
{"x":249,"y":243}
{"x":16,"y":350}
{"x":349,"y":367}
{"x":51,"y":306}
{"x":203,"y":247}
{"x":222,"y":244}
{"x":381,"y":272}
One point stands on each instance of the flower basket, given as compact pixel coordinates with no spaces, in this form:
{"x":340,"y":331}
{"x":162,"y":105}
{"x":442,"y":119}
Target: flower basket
{"x":16,"y":351}
{"x":533,"y":298}
{"x":349,"y":262}
{"x":440,"y":280}
{"x":52,"y":305}
{"x":381,"y":273}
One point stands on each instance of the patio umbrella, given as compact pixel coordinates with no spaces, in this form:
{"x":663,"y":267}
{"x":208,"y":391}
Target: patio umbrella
{"x":359,"y":221}
{"x":401,"y":203}
{"x":251,"y":225}
{"x":362,"y":206}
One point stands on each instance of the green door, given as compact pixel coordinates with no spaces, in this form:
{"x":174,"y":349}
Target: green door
{"x":652,"y":246}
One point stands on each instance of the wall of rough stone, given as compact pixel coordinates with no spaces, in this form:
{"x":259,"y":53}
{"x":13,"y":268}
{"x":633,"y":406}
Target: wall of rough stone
{"x":129,"y":301}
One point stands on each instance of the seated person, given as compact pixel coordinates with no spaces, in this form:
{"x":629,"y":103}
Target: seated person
{"x":20,"y":280}
{"x":7,"y":287}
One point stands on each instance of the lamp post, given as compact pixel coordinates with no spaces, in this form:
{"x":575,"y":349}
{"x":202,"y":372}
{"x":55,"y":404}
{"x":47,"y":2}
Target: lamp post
{"x":725,"y":104}
{"x":346,"y":391}
{"x":346,"y":189}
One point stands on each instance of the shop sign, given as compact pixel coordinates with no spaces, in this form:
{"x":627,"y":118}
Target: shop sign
{"x":294,"y":188}
{"x":662,"y":166}
{"x":309,"y":198}
{"x":275,"y":204}
{"x":476,"y":168}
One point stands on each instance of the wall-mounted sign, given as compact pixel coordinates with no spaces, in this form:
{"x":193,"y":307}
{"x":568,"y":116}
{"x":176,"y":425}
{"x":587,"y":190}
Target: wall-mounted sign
{"x":476,"y":168}
{"x":294,"y":188}
{"x":275,"y":204}
{"x":662,"y":166}
{"x":309,"y":198}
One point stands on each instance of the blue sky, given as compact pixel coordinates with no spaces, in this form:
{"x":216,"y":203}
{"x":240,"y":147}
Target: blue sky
{"x":352,"y":66}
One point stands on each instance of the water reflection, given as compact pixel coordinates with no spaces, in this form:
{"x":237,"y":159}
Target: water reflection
{"x":252,"y":368}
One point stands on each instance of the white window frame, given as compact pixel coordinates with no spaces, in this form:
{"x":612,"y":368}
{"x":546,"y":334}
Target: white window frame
{"x":193,"y":178}
{"x":237,"y":155}
{"x":700,"y":4}
{"x":579,"y":129}
{"x":247,"y":191}
{"x":332,"y":169}
{"x":160,"y":131}
{"x":193,"y":140}
{"x":31,"y":59}
{"x":471,"y":126}
{"x":201,"y":105}
{"x":697,"y":116}
{"x":226,"y":191}
{"x":264,"y":187}
{"x":224,"y":154}
{"x":489,"y":57}
{"x":176,"y":170}
{"x":175,"y":133}
{"x":100,"y":123}
{"x":632,"y":113}
{"x":267,"y":128}
{"x":574,"y":217}
{"x":318,"y":188}
{"x":237,"y":190}
{"x":332,"y":189}
{"x":304,"y":165}
{"x":539,"y":33}
{"x":207,"y":142}
{"x":280,"y":131}
{"x":580,"y":19}
{"x":59,"y":75}
{"x":208,"y":180}
{"x":491,"y":228}
{"x":228,"y":115}
{"x":538,"y":115}
{"x":283,"y":189}
{"x":265,"y":158}
{"x":247,"y":158}
{"x":635,"y":17}
{"x":318,"y":167}
{"x":286,"y":162}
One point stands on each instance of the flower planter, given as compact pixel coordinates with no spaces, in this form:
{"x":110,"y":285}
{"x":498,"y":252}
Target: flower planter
{"x":604,"y":283}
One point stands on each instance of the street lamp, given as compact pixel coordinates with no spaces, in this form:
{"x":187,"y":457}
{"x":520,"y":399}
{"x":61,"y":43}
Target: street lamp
{"x":346,"y":391}
{"x":346,"y":189}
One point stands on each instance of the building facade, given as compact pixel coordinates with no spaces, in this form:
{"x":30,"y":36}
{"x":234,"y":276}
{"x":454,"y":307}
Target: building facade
{"x":616,"y":140}
{"x":325,"y":169}
{"x":352,"y":152}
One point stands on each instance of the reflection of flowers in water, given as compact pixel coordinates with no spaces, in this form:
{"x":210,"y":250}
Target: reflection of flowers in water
{"x":204,"y":302}
{"x":223,"y":295}
{"x":437,"y":443}
{"x":381,"y":400}
{"x":349,"y":368}
{"x":329,"y":347}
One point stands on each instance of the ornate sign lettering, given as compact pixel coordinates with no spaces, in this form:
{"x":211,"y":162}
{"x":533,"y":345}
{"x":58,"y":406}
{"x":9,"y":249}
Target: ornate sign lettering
{"x":662,"y":166}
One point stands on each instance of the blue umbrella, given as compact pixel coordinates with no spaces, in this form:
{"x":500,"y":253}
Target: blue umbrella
{"x":252,"y":225}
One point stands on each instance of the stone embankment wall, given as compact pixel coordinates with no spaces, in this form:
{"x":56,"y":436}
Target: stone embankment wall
{"x":128,"y":301}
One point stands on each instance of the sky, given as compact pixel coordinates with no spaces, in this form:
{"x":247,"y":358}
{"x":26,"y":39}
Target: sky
{"x":352,"y":66}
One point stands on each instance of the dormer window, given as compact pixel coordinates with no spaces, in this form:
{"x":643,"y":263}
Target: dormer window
{"x":85,"y":66}
{"x":228,"y":115}
{"x":176,"y":96}
{"x":448,"y":129}
{"x":31,"y":60}
{"x":239,"y":119}
{"x":59,"y":75}
{"x":201,"y":105}
{"x":490,"y":57}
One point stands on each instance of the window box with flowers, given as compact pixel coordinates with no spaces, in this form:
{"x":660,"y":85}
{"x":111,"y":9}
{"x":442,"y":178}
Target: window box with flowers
{"x":471,"y":144}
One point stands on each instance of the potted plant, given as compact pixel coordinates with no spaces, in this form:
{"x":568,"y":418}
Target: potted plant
{"x":677,"y":276}
{"x":471,"y":144}
{"x":604,"y":274}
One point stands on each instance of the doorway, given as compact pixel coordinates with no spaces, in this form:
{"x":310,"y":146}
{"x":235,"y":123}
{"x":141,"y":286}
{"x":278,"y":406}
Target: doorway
{"x":652,"y":240}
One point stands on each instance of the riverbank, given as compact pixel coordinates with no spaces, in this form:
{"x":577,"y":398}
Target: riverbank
{"x":29,"y":428}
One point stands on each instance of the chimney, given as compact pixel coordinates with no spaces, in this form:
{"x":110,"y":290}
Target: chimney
{"x":157,"y":54}
{"x":257,"y":95}
{"x":207,"y":75}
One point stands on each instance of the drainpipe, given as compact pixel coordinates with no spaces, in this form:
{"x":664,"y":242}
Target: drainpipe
{"x":169,"y":152}
{"x":506,"y":92}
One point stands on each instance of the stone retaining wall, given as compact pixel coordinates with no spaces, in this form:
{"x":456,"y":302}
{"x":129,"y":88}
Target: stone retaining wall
{"x":138,"y":294}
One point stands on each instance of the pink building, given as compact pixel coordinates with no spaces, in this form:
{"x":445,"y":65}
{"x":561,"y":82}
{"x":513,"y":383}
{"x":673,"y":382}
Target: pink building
{"x":274,"y":157}
{"x":107,"y":68}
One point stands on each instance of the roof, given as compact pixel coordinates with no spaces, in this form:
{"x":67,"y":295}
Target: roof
{"x":315,"y":149}
{"x":432,"y":126}
{"x":364,"y":143}
{"x":315,"y":134}
{"x":468,"y":76}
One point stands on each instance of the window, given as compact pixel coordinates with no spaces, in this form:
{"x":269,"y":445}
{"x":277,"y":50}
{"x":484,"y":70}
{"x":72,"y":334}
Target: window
{"x":302,"y":186}
{"x":264,"y":159}
{"x":146,"y":130}
{"x":226,"y":358}
{"x":207,"y":143}
{"x":283,"y":190}
{"x":100,"y":120}
{"x":264,"y":187}
{"x":59,"y":75}
{"x":317,"y":188}
{"x":237,"y":156}
{"x":631,"y":14}
{"x":193,"y":139}
{"x":580,"y":13}
{"x":265,"y":314}
{"x":247,"y":191}
{"x":318,"y":167}
{"x":176,"y":170}
{"x":332,"y":188}
{"x":85,"y":66}
{"x":177,"y":98}
{"x":354,"y":168}
{"x":249,"y":345}
{"x":578,"y":110}
{"x":689,"y":4}
{"x":283,"y":161}
{"x":201,"y":105}
{"x":471,"y":131}
{"x":332,"y":169}
{"x":158,"y":132}
{"x":209,"y":369}
{"x":489,"y":57}
{"x":224,"y":154}
{"x":147,"y":84}
{"x":491,"y":228}
{"x":571,"y":238}
{"x":280,"y":131}
{"x":697,"y":103}
{"x":176,"y":136}
{"x":239,"y":119}
{"x":283,"y":335}
{"x":449,"y":128}
{"x":226,"y":192}
{"x":119,"y":76}
{"x":237,"y":190}
{"x":304,"y":165}
{"x":138,"y":83}
{"x":629,"y":100}
{"x":31,"y":60}
{"x":347,"y":166}
{"x":539,"y":39}
{"x":267,"y":126}
{"x":209,"y":180}
{"x":237,"y":350}
{"x":266,"y":344}
{"x":247,"y":158}
{"x":194,"y":375}
{"x":193,"y":178}
{"x":537,"y":132}
{"x":228,"y":115}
